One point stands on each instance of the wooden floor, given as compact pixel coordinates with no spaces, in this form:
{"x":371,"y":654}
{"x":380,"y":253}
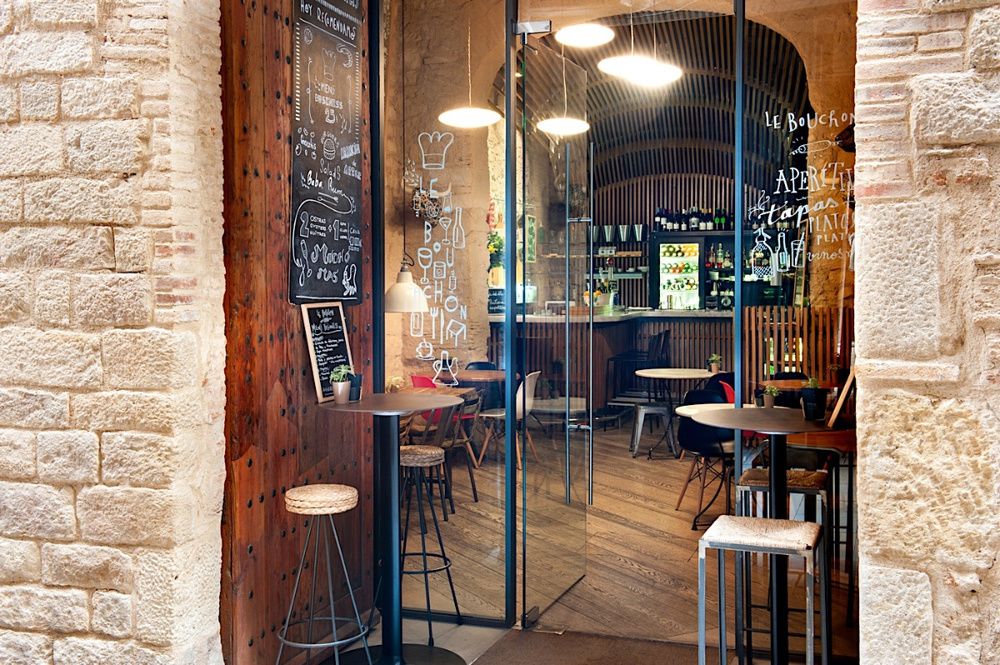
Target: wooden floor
{"x":636,"y":555}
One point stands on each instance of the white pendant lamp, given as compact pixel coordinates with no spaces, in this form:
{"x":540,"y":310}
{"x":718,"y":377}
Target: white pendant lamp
{"x":564,"y":125}
{"x":585,"y":35}
{"x":469,"y":117}
{"x":405,"y":295}
{"x":638,"y":69}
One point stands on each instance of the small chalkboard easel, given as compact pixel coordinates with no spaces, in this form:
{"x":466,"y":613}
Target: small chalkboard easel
{"x":329,"y":346}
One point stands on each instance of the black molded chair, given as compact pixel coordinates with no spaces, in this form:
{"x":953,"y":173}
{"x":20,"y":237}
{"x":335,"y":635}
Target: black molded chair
{"x":711,"y":451}
{"x":714,"y":382}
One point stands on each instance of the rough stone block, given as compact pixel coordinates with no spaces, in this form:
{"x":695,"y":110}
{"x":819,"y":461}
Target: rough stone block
{"x":109,"y":201}
{"x":67,"y":457}
{"x":35,"y":409}
{"x":6,"y":15}
{"x":955,"y":5}
{"x":941,"y":41}
{"x":10,"y":201}
{"x":17,"y":454}
{"x":42,"y":142}
{"x":36,"y":511}
{"x":24,"y":53}
{"x":956,"y":109}
{"x":111,"y":613}
{"x":15,"y":296}
{"x":128,"y":410}
{"x":39,"y":100}
{"x":138,"y":459}
{"x":8,"y":103}
{"x":133,"y":250}
{"x":984,"y":39}
{"x":99,"y":98}
{"x":63,"y":13}
{"x":46,"y":610}
{"x":24,"y":648}
{"x":115,"y":300}
{"x":176,"y":591}
{"x":151,"y":359}
{"x":90,"y":651}
{"x":33,"y":357}
{"x":52,"y":297}
{"x":82,"y":248}
{"x":19,"y":562}
{"x":129,"y":516}
{"x":86,"y":567}
{"x":896,"y":617}
{"x":107,"y":146}
{"x":986,"y":296}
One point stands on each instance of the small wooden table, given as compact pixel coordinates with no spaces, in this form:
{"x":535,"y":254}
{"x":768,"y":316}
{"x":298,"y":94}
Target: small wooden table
{"x":481,"y":375}
{"x":670,"y":374}
{"x":793,"y":385}
{"x":387,"y":408}
{"x":777,"y":424}
{"x":464,"y":392}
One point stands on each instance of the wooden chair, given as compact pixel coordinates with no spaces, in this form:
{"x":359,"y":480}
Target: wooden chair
{"x":524,"y":401}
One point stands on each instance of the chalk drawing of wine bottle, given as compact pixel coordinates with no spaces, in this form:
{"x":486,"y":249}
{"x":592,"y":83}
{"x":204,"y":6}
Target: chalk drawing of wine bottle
{"x":458,"y":231}
{"x":783,"y":258}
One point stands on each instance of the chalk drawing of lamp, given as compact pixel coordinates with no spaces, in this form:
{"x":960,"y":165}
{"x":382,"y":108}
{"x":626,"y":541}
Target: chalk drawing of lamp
{"x":434,"y":149}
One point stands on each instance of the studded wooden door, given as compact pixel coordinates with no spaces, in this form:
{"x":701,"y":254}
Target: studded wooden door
{"x":276,"y":436}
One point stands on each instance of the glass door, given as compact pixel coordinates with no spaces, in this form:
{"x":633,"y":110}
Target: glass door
{"x":555,"y":324}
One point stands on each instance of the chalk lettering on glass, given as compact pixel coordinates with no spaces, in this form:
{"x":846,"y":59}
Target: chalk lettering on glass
{"x":425,"y":350}
{"x":417,"y":324}
{"x":456,"y":331}
{"x":425,"y":257}
{"x":444,"y":373}
{"x":458,"y":231}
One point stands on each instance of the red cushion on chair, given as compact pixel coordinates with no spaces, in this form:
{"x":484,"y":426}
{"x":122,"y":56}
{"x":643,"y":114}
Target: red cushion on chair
{"x":730,"y":393}
{"x":422,"y":381}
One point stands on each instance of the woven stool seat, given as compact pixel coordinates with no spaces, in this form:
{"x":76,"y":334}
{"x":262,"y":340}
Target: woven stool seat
{"x":798,"y":480}
{"x":762,"y":535}
{"x":423,"y":456}
{"x":321,"y":499}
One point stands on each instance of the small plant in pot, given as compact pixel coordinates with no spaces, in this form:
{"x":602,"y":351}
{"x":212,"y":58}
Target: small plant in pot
{"x":814,"y":400}
{"x":714,"y":362}
{"x":770,"y":393}
{"x":340,"y":381}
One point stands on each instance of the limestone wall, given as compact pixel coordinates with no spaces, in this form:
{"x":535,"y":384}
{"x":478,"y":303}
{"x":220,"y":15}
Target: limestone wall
{"x":111,"y":335}
{"x":928,"y":330}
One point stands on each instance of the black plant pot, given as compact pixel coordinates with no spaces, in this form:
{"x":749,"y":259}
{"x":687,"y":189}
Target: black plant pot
{"x":814,"y":403}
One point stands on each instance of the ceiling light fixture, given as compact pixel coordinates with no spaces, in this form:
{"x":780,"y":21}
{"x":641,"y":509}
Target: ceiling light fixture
{"x":585,"y":35}
{"x":469,"y":117}
{"x":564,"y":125}
{"x":641,"y":70}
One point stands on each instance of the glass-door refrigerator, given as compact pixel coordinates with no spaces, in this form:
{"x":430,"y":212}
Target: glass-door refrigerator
{"x":676,"y":277}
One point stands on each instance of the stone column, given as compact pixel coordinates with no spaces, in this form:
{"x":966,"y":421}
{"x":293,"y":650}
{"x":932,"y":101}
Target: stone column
{"x":928,"y":329}
{"x":111,"y":331}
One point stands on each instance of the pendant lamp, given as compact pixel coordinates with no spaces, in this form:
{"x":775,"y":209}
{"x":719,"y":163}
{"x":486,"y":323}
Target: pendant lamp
{"x":405,"y":295}
{"x":641,"y":70}
{"x":564,"y":125}
{"x":469,"y":117}
{"x":585,"y":35}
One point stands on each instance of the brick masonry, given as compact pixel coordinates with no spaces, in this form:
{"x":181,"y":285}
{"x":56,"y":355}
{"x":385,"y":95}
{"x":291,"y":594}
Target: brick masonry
{"x":928,"y":270}
{"x":111,"y":331}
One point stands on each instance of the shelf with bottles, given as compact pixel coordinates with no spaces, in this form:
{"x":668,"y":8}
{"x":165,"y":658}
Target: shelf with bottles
{"x":696,"y":221}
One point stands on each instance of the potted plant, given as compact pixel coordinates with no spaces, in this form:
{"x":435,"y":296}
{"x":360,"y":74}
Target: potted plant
{"x":714,"y":361}
{"x":770,"y":392}
{"x":494,"y":245}
{"x":814,"y":400}
{"x":340,"y":381}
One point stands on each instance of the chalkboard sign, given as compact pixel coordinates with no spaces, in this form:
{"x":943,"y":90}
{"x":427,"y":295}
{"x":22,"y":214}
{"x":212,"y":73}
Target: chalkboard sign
{"x":325,"y":248}
{"x":329,"y":346}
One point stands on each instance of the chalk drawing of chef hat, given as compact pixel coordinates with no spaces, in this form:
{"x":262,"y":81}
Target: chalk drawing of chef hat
{"x":434,"y":148}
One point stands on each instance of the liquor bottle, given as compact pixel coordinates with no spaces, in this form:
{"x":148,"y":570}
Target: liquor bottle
{"x":709,"y":257}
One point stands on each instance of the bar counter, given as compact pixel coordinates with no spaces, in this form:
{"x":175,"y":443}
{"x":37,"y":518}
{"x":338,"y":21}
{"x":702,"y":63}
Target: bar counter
{"x":694,"y":336}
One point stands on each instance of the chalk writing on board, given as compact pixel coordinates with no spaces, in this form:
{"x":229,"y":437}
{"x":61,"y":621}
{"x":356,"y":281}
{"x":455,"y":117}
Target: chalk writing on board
{"x":325,"y":250}
{"x":328,"y":342}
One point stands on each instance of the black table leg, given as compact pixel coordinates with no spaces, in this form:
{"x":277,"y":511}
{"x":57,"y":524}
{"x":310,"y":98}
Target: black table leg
{"x":778,"y":499}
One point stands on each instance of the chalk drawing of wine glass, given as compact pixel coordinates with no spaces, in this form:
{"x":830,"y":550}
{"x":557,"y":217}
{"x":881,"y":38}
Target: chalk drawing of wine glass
{"x":424,"y":259}
{"x":445,"y":223}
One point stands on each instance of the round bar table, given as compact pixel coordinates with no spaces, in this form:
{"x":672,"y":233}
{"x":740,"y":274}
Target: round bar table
{"x":387,"y":408}
{"x":777,"y":424}
{"x":671,"y":374}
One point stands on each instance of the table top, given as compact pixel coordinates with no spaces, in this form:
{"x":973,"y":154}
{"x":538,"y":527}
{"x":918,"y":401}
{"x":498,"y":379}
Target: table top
{"x":465,"y":392}
{"x":844,"y":441}
{"x":792,"y":384}
{"x":396,"y":404}
{"x":691,"y":410}
{"x":673,"y":373}
{"x":765,"y":421}
{"x":481,"y":375}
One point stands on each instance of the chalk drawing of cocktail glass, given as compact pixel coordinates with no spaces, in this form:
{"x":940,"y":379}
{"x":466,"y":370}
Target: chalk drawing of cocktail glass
{"x":445,"y":223}
{"x":424,"y":259}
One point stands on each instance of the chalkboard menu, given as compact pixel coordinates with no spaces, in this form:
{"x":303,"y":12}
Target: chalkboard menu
{"x":325,"y":248}
{"x":326,"y":334}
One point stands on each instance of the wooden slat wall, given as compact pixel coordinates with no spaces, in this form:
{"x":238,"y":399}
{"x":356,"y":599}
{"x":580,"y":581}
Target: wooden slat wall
{"x":276,"y":437}
{"x":794,"y":339}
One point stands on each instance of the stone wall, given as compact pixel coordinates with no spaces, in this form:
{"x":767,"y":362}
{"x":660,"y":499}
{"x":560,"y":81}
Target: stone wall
{"x":111,"y":332}
{"x":928,"y":109}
